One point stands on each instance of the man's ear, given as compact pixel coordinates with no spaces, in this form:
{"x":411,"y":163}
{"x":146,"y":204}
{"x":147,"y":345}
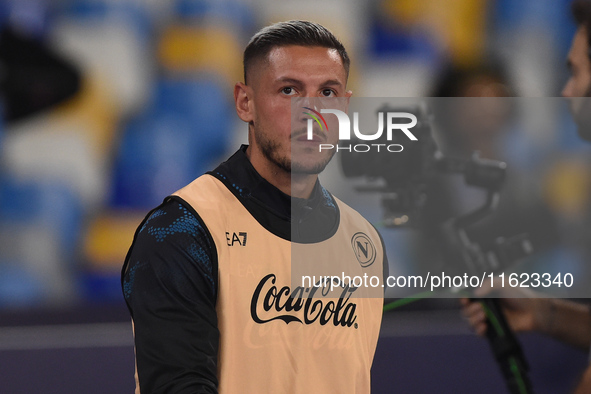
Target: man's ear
{"x":243,"y":102}
{"x":348,"y":95}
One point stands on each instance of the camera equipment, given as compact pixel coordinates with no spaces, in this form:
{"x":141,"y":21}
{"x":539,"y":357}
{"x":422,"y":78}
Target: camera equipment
{"x":402,"y":179}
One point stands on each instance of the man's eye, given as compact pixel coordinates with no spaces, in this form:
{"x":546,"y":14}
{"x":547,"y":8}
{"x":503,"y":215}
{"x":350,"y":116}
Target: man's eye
{"x":328,"y":93}
{"x":288,"y":90}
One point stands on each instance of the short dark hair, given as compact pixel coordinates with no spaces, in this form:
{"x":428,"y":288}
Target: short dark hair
{"x":294,"y":32}
{"x":581,"y":11}
{"x":453,"y":79}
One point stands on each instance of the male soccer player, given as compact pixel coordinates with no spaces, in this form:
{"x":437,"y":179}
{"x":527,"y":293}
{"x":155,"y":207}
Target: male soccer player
{"x":208,"y":277}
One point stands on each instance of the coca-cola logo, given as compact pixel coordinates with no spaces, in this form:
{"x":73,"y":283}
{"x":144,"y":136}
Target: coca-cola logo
{"x":300,"y":305}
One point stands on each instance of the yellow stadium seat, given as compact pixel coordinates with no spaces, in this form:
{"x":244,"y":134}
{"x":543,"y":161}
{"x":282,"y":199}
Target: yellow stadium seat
{"x":108,"y":238}
{"x":210,"y":49}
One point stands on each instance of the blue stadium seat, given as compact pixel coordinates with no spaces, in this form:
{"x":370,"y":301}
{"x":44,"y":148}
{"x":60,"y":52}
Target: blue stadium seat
{"x":154,"y":160}
{"x":40,"y":226}
{"x":389,"y":40}
{"x":132,"y":12}
{"x":101,"y":286}
{"x":205,"y":105}
{"x":175,"y":140}
{"x":235,"y":12}
{"x":18,"y":287}
{"x":46,"y":204}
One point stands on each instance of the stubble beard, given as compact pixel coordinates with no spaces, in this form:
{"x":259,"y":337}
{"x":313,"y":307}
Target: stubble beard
{"x":271,"y":151}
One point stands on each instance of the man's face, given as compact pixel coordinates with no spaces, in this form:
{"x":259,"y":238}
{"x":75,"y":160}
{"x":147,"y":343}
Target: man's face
{"x":276,"y":140}
{"x":579,"y":66}
{"x":578,"y":86}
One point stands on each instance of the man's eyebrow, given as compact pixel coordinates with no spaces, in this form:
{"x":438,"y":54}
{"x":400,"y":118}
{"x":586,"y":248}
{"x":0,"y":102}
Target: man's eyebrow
{"x":332,"y":82}
{"x":290,"y":81}
{"x":297,"y":82}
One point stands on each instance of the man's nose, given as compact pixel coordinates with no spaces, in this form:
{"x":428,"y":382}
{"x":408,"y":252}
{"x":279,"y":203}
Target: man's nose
{"x":308,"y":101}
{"x":307,"y":104}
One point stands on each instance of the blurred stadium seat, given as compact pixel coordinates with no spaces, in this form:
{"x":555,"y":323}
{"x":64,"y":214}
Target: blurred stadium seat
{"x":46,"y":204}
{"x":190,"y":49}
{"x":108,"y":238}
{"x":105,"y":245}
{"x":18,"y":287}
{"x":233,"y":13}
{"x":111,"y":41}
{"x":40,"y":227}
{"x":62,"y":150}
{"x":172,"y":143}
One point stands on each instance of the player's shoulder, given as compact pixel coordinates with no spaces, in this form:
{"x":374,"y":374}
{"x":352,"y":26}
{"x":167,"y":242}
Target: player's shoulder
{"x":172,"y":221}
{"x":204,"y":188}
{"x":171,"y":248}
{"x":173,"y":211}
{"x":170,"y":236}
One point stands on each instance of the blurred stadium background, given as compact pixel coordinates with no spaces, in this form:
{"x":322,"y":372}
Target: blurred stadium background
{"x":151,"y":108}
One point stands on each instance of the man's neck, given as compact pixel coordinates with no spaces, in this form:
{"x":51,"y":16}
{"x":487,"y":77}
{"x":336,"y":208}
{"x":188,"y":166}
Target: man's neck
{"x":302,"y":185}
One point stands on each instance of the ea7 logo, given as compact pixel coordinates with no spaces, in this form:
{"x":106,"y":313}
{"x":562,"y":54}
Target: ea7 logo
{"x":237,"y":238}
{"x":364,"y":249}
{"x":345,"y":124}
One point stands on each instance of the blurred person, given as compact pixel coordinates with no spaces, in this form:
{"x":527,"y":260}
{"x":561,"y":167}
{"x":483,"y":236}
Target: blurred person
{"x":478,"y":128}
{"x":565,"y":320}
{"x":464,"y":126}
{"x":207,"y":278}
